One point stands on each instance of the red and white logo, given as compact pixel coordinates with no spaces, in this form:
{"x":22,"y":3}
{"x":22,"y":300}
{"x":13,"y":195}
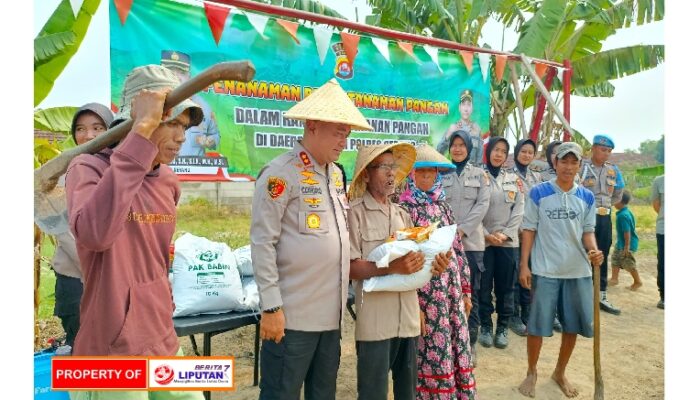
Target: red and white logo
{"x":164,"y":374}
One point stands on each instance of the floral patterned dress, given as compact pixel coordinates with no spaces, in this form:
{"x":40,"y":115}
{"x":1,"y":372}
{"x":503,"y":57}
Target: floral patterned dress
{"x":444,"y":354}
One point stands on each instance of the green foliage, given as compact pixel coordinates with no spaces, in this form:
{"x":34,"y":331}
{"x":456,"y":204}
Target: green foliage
{"x":49,"y":46}
{"x":55,"y":47}
{"x":202,"y":218}
{"x":55,"y":119}
{"x":614,"y":64}
{"x":538,"y":31}
{"x":304,"y":5}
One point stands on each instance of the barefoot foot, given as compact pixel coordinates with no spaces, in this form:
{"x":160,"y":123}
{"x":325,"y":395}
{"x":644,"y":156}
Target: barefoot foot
{"x":527,"y":388}
{"x":635,"y":286}
{"x":564,"y":385}
{"x":612,"y":282}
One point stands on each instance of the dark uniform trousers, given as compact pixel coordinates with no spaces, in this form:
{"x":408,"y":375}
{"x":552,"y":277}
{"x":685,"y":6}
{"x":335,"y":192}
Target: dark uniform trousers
{"x":68,"y":292}
{"x":521,"y":295}
{"x":310,"y":359}
{"x":374,"y":361}
{"x":603,"y":238}
{"x":497,"y":276}
{"x":476,"y":265}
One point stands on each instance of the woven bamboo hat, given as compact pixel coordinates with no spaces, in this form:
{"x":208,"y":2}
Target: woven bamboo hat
{"x":404,"y":156}
{"x":329,"y":103}
{"x":428,"y":157}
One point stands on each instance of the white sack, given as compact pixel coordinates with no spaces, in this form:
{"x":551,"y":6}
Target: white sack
{"x":440,"y":242}
{"x":205,"y":277}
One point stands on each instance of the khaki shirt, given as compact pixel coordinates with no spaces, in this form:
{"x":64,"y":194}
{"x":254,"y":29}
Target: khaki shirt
{"x":299,"y":241}
{"x":601,"y":181}
{"x":506,"y":207}
{"x":380,"y":315}
{"x":468,"y":196}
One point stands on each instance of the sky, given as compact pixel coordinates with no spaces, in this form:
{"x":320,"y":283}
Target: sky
{"x":635,"y":113}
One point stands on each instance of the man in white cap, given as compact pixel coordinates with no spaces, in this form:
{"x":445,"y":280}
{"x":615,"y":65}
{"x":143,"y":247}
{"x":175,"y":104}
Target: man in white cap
{"x":121,"y":209}
{"x":300,"y":251}
{"x":388,"y":323}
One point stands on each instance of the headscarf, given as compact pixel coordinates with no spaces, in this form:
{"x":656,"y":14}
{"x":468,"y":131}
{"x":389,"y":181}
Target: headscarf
{"x":413,"y":194}
{"x":489,"y":148}
{"x":102,"y":111}
{"x":550,"y":149}
{"x":522,"y":168}
{"x":467,"y":142}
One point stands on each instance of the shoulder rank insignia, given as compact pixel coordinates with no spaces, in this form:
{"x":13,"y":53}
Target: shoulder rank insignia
{"x":305,"y":158}
{"x":487,"y":178}
{"x":520,"y":185}
{"x":275,"y":187}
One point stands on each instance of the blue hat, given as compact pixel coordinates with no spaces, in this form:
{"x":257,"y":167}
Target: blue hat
{"x":603,"y":140}
{"x":175,"y":59}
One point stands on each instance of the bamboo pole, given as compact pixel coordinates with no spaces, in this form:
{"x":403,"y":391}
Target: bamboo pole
{"x":518,"y":98}
{"x":544,"y":92}
{"x":599,"y":389}
{"x":37,"y":281}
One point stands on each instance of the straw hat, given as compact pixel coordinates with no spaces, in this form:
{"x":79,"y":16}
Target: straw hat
{"x":329,"y":103}
{"x":428,"y":157}
{"x":404,"y":156}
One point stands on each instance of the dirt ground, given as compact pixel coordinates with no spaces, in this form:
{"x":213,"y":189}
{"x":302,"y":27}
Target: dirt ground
{"x":632,"y":353}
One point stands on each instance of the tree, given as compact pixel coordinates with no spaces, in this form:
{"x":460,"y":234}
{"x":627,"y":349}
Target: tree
{"x":556,"y":30}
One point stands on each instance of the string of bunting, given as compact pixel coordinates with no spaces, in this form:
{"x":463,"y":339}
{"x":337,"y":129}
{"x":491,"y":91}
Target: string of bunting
{"x":217,"y":15}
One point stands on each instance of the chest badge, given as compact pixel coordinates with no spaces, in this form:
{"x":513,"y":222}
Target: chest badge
{"x":307,"y":178}
{"x":313,"y":221}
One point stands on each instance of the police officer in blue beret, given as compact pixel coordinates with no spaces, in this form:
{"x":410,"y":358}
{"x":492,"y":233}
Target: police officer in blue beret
{"x":605,"y":181}
{"x":202,"y":137}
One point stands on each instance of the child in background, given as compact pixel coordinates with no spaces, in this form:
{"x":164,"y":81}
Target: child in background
{"x":627,"y":243}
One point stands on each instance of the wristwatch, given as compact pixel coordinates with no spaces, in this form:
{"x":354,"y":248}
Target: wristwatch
{"x":272,"y":310}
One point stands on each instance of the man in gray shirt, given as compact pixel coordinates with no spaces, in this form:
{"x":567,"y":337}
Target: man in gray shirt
{"x":560,"y":218}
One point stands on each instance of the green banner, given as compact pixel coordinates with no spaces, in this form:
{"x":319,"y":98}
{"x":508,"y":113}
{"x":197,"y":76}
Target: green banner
{"x":406,"y":98}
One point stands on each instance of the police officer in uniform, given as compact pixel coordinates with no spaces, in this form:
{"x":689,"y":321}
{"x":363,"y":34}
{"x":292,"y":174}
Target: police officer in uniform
{"x":605,"y":181}
{"x":300,"y":250}
{"x":465,"y":124}
{"x":467,"y":192}
{"x":202,"y":137}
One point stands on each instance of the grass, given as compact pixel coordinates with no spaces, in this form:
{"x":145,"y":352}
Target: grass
{"x":201,"y":218}
{"x":198,"y":217}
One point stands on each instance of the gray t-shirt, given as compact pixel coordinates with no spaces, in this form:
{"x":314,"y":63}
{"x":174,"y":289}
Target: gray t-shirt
{"x":657,"y":192}
{"x":559,"y":220}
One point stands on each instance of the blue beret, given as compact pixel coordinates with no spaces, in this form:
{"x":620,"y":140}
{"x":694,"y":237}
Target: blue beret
{"x":603,"y":140}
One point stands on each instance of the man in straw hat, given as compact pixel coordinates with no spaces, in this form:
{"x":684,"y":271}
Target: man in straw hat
{"x":300,"y":251}
{"x":121,"y":208}
{"x":388,"y":323}
{"x":558,"y":231}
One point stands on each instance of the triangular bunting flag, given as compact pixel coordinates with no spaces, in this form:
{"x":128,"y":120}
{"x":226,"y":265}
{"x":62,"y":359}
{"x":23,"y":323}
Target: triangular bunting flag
{"x":350,"y":43}
{"x":259,"y":22}
{"x":75,"y":5}
{"x":216,"y":15}
{"x":560,"y":74}
{"x":382,"y":46}
{"x":468,"y":59}
{"x":123,"y":8}
{"x":484,"y":61}
{"x":290,"y":27}
{"x":433,"y":53}
{"x":500,"y":66}
{"x":323,"y":40}
{"x":408,"y":48}
{"x":540,"y":69}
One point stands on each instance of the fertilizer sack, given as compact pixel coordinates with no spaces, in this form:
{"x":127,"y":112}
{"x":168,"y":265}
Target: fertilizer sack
{"x":205,"y":278}
{"x":440,"y":241}
{"x":244,"y":260}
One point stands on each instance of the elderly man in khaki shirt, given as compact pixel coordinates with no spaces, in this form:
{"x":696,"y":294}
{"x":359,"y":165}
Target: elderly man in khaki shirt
{"x":388,"y":323}
{"x":300,"y":252}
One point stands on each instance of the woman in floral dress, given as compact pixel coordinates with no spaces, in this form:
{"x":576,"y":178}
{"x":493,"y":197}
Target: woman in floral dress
{"x":444,"y":354}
